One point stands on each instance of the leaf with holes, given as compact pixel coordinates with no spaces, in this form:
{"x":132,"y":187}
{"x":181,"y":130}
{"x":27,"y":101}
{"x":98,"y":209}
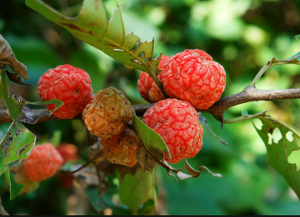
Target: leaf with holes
{"x":92,"y":26}
{"x":15,"y":145}
{"x":279,"y":153}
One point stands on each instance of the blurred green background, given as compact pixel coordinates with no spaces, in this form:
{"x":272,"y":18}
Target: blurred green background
{"x":242,"y":35}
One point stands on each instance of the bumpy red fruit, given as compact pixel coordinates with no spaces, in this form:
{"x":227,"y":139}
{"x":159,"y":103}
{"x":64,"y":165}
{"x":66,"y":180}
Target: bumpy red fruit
{"x":69,"y":84}
{"x":193,"y":76}
{"x":108,"y":113}
{"x":177,"y":122}
{"x":122,"y":148}
{"x":68,"y":152}
{"x":42,"y":163}
{"x":147,"y":86}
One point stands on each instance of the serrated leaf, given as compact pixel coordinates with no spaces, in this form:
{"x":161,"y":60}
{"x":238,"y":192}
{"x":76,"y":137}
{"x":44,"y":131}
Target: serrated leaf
{"x":7,"y":57}
{"x":14,"y":188}
{"x":92,"y":26}
{"x":15,"y":145}
{"x":151,"y":140}
{"x":136,"y":188}
{"x":278,"y":153}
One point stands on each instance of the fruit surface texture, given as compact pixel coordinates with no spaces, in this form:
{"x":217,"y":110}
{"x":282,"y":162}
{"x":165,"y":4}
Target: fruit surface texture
{"x":147,"y":86}
{"x":108,"y":113}
{"x":69,"y":84}
{"x":177,"y":122}
{"x":122,"y":148}
{"x":193,"y":76}
{"x":42,"y":163}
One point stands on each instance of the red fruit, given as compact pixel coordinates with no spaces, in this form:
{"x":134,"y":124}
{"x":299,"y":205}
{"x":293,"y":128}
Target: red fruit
{"x":147,"y":86}
{"x":69,"y":84}
{"x":193,"y":76}
{"x":121,"y":148}
{"x":203,"y":54}
{"x":177,"y":122}
{"x":68,"y":152}
{"x":42,"y":163}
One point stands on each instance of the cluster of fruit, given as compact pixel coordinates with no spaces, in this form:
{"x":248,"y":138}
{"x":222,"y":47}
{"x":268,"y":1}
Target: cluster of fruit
{"x":190,"y":78}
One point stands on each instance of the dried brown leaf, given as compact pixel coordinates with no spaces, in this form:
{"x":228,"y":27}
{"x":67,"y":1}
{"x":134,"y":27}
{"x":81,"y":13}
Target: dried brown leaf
{"x":7,"y":57}
{"x":15,"y":78}
{"x":145,"y":159}
{"x":96,"y":153}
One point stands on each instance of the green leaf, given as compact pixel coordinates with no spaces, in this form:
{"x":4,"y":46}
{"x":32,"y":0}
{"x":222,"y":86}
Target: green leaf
{"x":151,"y":140}
{"x":12,"y":106}
{"x":104,"y":201}
{"x":14,"y":188}
{"x":297,"y":37}
{"x":146,"y":208}
{"x":278,"y":153}
{"x":15,"y":145}
{"x":137,"y":188}
{"x":92,"y":26}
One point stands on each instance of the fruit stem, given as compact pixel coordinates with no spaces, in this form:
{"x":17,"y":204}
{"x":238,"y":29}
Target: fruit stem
{"x":159,"y":84}
{"x":80,"y":168}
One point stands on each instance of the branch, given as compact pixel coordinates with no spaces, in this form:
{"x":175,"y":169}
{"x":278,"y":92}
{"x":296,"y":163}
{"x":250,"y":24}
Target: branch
{"x":249,"y":94}
{"x":5,"y":118}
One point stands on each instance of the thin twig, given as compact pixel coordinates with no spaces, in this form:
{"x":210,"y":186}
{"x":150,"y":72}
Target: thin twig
{"x":80,"y":168}
{"x":271,"y":63}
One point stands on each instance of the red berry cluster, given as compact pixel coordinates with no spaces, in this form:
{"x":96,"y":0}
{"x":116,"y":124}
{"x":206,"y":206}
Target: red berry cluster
{"x":192,"y":80}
